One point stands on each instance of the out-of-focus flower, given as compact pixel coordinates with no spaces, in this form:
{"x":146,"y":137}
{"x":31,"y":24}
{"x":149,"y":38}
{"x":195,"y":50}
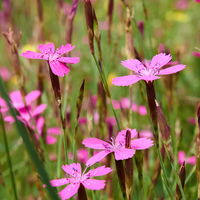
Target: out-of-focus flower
{"x":182,"y":4}
{"x":182,"y":158}
{"x":147,"y":71}
{"x":116,"y":146}
{"x":103,"y":25}
{"x":76,"y":178}
{"x":54,"y":57}
{"x":4,"y":73}
{"x":23,"y":106}
{"x":191,"y":120}
{"x":50,"y":134}
{"x":145,"y":134}
{"x":196,"y":53}
{"x":125,"y":103}
{"x":198,"y":1}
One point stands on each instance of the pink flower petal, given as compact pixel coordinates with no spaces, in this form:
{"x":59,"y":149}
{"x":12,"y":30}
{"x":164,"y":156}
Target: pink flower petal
{"x":123,"y":154}
{"x":121,"y":136}
{"x":125,"y":103}
{"x":70,"y":60}
{"x":73,"y":169}
{"x":2,"y":103}
{"x":133,"y":64}
{"x":64,"y":49}
{"x":141,"y":143}
{"x":46,"y":48}
{"x":40,"y":124}
{"x":32,"y":96}
{"x":160,"y":60}
{"x":69,"y":191}
{"x":97,"y":157}
{"x":16,"y":99}
{"x":93,"y":184}
{"x":116,"y":104}
{"x":99,"y":171}
{"x":95,"y":143}
{"x":181,"y":157}
{"x":125,"y":80}
{"x":150,"y":78}
{"x":54,"y":131}
{"x":145,"y":134}
{"x":50,"y":139}
{"x":34,"y":55}
{"x":59,"y":68}
{"x":59,"y":182}
{"x":4,"y":73}
{"x":39,"y":109}
{"x":142,"y":110}
{"x":191,"y":160}
{"x":171,"y":70}
{"x":196,"y":53}
{"x":83,"y":155}
{"x":9,"y":119}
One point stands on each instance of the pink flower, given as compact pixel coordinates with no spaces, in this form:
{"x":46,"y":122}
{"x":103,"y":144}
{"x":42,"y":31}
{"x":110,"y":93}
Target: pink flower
{"x":145,"y":134}
{"x":198,"y":1}
{"x":196,"y":53}
{"x":23,"y":106}
{"x":4,"y":73}
{"x":181,"y":158}
{"x":182,"y":4}
{"x":50,"y":134}
{"x":76,"y":178}
{"x":125,"y":103}
{"x":148,"y":71}
{"x":116,"y":146}
{"x":56,"y":61}
{"x":82,"y":155}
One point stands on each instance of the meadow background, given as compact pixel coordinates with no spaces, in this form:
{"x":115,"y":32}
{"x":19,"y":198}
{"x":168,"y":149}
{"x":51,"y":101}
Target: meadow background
{"x":168,"y":26}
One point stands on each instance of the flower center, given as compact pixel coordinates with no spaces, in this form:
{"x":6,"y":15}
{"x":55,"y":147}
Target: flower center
{"x":146,"y":71}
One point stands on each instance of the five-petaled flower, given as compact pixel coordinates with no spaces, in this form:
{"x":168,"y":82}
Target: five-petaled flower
{"x":76,"y":178}
{"x":54,"y":57}
{"x":147,"y":71}
{"x":116,"y":146}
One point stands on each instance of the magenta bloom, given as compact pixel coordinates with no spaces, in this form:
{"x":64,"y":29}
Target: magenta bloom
{"x":189,"y":160}
{"x":76,"y":177}
{"x":116,"y":146}
{"x":147,"y":71}
{"x":56,"y":61}
{"x":50,"y":133}
{"x":125,"y":103}
{"x":4,"y":73}
{"x":198,"y":1}
{"x":196,"y":53}
{"x":24,"y":107}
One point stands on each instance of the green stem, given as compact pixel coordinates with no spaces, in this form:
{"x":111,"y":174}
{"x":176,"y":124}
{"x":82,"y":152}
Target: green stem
{"x":104,"y":82}
{"x":8,"y":157}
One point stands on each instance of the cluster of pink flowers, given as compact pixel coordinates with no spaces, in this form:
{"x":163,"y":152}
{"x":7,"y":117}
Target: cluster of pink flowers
{"x":147,"y":71}
{"x":125,"y":104}
{"x":117,"y":147}
{"x":24,"y":105}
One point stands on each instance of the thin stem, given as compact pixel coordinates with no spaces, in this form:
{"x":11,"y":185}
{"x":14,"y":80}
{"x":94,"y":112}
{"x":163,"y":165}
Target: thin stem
{"x":8,"y":157}
{"x":106,"y":88}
